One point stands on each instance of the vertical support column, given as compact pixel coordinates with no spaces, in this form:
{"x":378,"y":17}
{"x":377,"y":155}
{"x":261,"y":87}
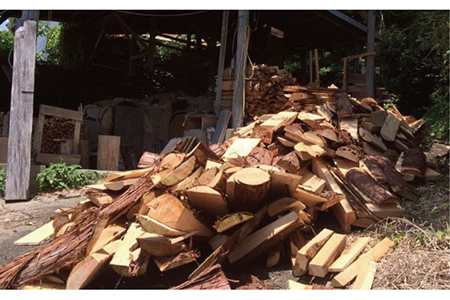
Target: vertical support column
{"x":223,"y":48}
{"x":370,"y":75}
{"x":152,"y":46}
{"x":344,"y":76}
{"x":239,"y":91}
{"x":21,"y":118}
{"x":310,"y":66}
{"x":316,"y":57}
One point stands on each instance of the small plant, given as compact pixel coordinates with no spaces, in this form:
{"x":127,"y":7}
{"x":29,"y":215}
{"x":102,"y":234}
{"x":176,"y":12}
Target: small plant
{"x":2,"y":182}
{"x":61,"y":176}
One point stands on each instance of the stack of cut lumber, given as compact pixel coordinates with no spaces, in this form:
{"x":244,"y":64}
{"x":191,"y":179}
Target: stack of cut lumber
{"x":57,"y":129}
{"x":265,"y":94}
{"x":242,"y":199}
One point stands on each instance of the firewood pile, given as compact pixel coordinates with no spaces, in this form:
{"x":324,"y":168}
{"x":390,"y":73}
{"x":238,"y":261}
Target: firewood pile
{"x":217,"y":209}
{"x":265,"y":94}
{"x":55,"y":130}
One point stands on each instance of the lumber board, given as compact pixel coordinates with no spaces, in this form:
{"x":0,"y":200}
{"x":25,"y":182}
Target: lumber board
{"x":59,"y":112}
{"x":108,"y":152}
{"x":366,"y":275}
{"x":345,"y":214}
{"x":261,"y":239}
{"x":390,"y":127}
{"x":349,"y":255}
{"x":319,"y":265}
{"x":38,"y":236}
{"x":307,"y":252}
{"x":320,"y":169}
{"x":375,"y":254}
{"x":221,"y":127}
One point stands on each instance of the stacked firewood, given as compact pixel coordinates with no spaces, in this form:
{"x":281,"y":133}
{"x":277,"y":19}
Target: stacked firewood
{"x":55,"y":130}
{"x":245,"y":199}
{"x":265,"y":94}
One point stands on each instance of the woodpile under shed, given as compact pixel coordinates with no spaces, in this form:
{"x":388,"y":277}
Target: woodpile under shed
{"x":259,"y":192}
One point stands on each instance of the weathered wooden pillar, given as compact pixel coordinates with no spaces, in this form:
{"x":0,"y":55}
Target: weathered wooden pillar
{"x":239,"y":91}
{"x":21,"y":112}
{"x":370,"y":75}
{"x":223,"y":48}
{"x":152,"y":46}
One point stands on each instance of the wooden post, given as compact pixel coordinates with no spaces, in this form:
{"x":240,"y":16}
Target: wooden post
{"x":152,"y":45}
{"x":344,"y":76}
{"x":223,"y":48}
{"x":108,"y":152}
{"x":239,"y":92}
{"x":21,"y":115}
{"x":316,"y":56}
{"x":310,"y":67}
{"x":370,"y":71}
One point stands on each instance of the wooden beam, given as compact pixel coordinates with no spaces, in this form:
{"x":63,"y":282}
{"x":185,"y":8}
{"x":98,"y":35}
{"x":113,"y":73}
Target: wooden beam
{"x":316,"y":58}
{"x":21,"y":115}
{"x":223,"y":48}
{"x":152,"y":46}
{"x":238,"y":96}
{"x":370,"y":61}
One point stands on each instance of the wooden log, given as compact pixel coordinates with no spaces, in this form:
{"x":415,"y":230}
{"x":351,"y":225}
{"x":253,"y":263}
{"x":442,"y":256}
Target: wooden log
{"x":153,"y":226}
{"x":307,"y":252}
{"x":219,"y":182}
{"x":377,"y":118}
{"x":321,"y":170}
{"x":414,"y":162}
{"x":207,"y":200}
{"x":341,"y":104}
{"x":345,"y":214}
{"x":168,"y":210}
{"x":284,"y":204}
{"x":319,"y":265}
{"x":390,"y":127}
{"x":290,"y":162}
{"x":91,"y":266}
{"x":262,"y":240}
{"x":283,"y":184}
{"x":160,"y":245}
{"x":349,"y":255}
{"x":311,"y":182}
{"x":108,"y":152}
{"x":180,"y":173}
{"x":350,"y":125}
{"x":387,"y":210}
{"x":231,"y":221}
{"x":235,"y":239}
{"x":374,"y":254}
{"x":372,"y":139}
{"x":252,"y":185}
{"x":125,"y":259}
{"x":167,"y":263}
{"x":206,"y":176}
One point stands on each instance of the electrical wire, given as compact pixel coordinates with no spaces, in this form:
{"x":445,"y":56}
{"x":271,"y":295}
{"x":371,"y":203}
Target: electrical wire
{"x":162,"y":16}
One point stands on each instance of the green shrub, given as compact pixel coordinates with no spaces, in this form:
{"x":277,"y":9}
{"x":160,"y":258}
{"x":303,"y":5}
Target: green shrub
{"x":2,"y":182}
{"x":61,"y":176}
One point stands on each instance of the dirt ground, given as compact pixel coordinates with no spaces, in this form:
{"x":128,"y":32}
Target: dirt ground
{"x":420,"y":259}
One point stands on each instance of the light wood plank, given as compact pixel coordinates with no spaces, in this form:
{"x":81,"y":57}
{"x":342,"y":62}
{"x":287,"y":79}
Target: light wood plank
{"x":37,"y":236}
{"x":349,"y":255}
{"x":324,"y":258}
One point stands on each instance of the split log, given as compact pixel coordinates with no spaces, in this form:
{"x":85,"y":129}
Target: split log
{"x":377,"y":118}
{"x":273,"y":256}
{"x":128,"y":260}
{"x":168,"y":210}
{"x":160,"y":245}
{"x":208,"y":200}
{"x":307,"y":152}
{"x":340,"y":104}
{"x":370,"y":187}
{"x":327,"y":254}
{"x":284,"y":204}
{"x":180,"y":173}
{"x":203,"y":153}
{"x":149,"y":160}
{"x":241,"y":148}
{"x":189,"y":181}
{"x":259,"y":156}
{"x":345,"y":214}
{"x":262,"y":240}
{"x":311,"y":182}
{"x":90,"y":267}
{"x":350,"y":125}
{"x":321,"y":170}
{"x":365,"y":276}
{"x":167,"y":263}
{"x":390,"y":127}
{"x":350,"y":152}
{"x":171,"y":161}
{"x":231,"y":221}
{"x":206,"y":176}
{"x":153,"y":226}
{"x":414,"y":162}
{"x":283,"y":184}
{"x":290,"y":162}
{"x":252,"y":185}
{"x":106,"y":236}
{"x":349,"y":255}
{"x":372,"y":139}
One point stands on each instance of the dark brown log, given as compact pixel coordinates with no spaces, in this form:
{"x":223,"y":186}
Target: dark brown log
{"x":414,"y":162}
{"x":384,"y":170}
{"x":369,"y":187}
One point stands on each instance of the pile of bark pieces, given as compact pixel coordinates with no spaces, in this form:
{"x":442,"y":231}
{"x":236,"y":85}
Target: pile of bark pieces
{"x":216,"y":209}
{"x":265,"y":93}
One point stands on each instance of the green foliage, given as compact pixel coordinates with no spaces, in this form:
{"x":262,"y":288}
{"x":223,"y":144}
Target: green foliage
{"x":6,"y":43}
{"x":415,"y":64}
{"x":61,"y":176}
{"x":2,"y":182}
